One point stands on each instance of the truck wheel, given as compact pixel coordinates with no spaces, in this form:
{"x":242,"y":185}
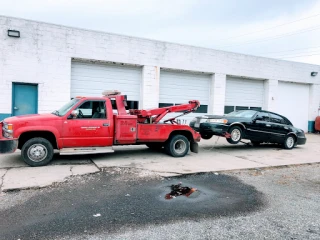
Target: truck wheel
{"x":236,"y":135}
{"x":37,"y":152}
{"x":177,"y":146}
{"x":155,"y":146}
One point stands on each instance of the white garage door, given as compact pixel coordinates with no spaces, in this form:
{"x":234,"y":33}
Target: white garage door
{"x":181,"y":87}
{"x":293,"y":103}
{"x":91,"y":79}
{"x":243,"y":94}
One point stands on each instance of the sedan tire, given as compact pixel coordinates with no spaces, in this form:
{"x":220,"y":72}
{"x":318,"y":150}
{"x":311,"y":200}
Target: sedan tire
{"x":236,"y":135}
{"x":289,"y":142}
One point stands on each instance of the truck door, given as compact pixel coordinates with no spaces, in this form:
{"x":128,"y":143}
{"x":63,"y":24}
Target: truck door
{"x":90,"y":128}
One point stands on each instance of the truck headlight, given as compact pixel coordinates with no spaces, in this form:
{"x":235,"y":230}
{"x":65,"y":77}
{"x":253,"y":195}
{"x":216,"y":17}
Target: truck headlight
{"x":7,"y":130}
{"x":217,"y":120}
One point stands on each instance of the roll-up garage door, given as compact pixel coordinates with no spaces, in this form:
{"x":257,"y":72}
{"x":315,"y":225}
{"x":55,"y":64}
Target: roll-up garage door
{"x":91,"y":79}
{"x":293,"y":103}
{"x":181,"y":87}
{"x":243,"y":94}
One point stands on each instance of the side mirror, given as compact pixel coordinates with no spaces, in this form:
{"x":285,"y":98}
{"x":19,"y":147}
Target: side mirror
{"x":74,"y":114}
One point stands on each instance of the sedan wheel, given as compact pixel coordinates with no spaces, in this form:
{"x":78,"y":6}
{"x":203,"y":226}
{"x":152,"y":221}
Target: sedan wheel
{"x":236,"y":135}
{"x":289,"y":142}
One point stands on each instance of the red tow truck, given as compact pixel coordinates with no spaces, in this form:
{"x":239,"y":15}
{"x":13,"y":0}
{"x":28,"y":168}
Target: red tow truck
{"x":88,"y":125}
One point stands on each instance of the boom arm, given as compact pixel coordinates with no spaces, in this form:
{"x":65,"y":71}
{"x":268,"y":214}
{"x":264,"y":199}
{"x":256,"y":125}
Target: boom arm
{"x":155,"y":115}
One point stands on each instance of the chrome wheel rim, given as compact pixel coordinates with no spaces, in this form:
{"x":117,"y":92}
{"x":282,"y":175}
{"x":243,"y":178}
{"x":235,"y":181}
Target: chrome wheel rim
{"x":180,"y":146}
{"x":290,"y":142}
{"x":235,"y":135}
{"x":37,"y":152}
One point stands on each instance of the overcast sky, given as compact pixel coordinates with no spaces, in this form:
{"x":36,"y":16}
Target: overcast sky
{"x":285,"y":29}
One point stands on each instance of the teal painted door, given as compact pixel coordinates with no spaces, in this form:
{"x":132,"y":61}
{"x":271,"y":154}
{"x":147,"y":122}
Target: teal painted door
{"x":25,"y":99}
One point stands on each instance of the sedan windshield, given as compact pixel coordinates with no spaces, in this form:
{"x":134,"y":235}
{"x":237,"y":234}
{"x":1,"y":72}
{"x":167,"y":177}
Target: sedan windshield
{"x":242,"y":114}
{"x":66,"y":108}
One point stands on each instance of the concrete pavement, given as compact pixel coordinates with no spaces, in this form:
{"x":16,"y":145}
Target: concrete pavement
{"x":214,"y":155}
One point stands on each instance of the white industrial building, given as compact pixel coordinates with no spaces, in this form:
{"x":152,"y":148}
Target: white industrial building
{"x":45,"y":65}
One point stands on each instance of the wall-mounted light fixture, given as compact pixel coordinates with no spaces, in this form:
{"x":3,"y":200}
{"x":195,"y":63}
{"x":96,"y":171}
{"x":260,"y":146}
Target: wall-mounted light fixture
{"x":313,"y":74}
{"x":13,"y":33}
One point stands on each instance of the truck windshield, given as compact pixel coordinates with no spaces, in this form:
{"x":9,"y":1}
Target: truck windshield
{"x":66,"y":108}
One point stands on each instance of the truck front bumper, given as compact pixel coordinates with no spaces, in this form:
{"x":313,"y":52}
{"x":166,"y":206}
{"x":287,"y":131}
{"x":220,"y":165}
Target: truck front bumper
{"x":8,"y":145}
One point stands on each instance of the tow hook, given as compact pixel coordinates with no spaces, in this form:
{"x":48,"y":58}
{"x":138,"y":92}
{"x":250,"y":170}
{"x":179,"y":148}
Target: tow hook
{"x":227,"y":135}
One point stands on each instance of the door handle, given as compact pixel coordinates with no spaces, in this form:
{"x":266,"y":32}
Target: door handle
{"x":15,"y":108}
{"x":268,"y":125}
{"x":105,"y":124}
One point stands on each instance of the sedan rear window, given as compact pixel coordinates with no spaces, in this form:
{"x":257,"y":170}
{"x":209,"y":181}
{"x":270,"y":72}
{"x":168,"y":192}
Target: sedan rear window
{"x":243,"y":114}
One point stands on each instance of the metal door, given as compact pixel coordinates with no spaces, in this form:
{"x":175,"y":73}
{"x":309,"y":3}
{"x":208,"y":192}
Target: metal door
{"x":24,"y":99}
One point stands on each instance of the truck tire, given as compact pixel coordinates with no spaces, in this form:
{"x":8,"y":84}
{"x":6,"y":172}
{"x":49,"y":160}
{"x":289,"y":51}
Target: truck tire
{"x":177,"y":146}
{"x":37,"y":152}
{"x":155,"y":146}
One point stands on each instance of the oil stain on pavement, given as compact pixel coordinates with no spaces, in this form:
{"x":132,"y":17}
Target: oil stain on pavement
{"x":108,"y":203}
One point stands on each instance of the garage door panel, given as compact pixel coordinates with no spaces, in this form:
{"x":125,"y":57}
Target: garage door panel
{"x":181,"y":87}
{"x":244,"y":92}
{"x":293,"y":103}
{"x":93,"y":78}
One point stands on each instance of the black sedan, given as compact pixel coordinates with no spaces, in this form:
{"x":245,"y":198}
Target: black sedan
{"x":257,"y":126}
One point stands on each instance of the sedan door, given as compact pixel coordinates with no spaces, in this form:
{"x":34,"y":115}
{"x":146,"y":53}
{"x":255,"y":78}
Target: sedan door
{"x":279,"y":128}
{"x":259,"y":128}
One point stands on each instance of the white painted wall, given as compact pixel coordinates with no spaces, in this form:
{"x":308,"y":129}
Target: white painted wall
{"x":44,"y":52}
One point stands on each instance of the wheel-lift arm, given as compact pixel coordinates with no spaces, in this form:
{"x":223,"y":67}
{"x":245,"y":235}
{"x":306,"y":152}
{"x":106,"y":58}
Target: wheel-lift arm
{"x":155,"y":115}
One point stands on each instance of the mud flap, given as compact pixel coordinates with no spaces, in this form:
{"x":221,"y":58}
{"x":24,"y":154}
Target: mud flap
{"x":8,"y":146}
{"x":194,"y":147}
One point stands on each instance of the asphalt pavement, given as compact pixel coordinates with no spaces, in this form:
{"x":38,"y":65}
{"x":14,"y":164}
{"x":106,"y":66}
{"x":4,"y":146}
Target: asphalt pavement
{"x":280,"y":203}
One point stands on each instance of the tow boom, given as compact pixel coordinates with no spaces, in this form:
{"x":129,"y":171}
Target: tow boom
{"x":155,"y":115}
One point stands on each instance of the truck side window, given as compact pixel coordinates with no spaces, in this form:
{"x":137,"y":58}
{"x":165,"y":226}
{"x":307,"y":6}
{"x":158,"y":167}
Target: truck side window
{"x":92,"y":109}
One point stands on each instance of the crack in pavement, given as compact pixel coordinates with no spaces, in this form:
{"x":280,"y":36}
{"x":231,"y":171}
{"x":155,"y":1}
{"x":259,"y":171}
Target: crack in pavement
{"x":2,"y":179}
{"x":95,"y":164}
{"x":71,"y":170}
